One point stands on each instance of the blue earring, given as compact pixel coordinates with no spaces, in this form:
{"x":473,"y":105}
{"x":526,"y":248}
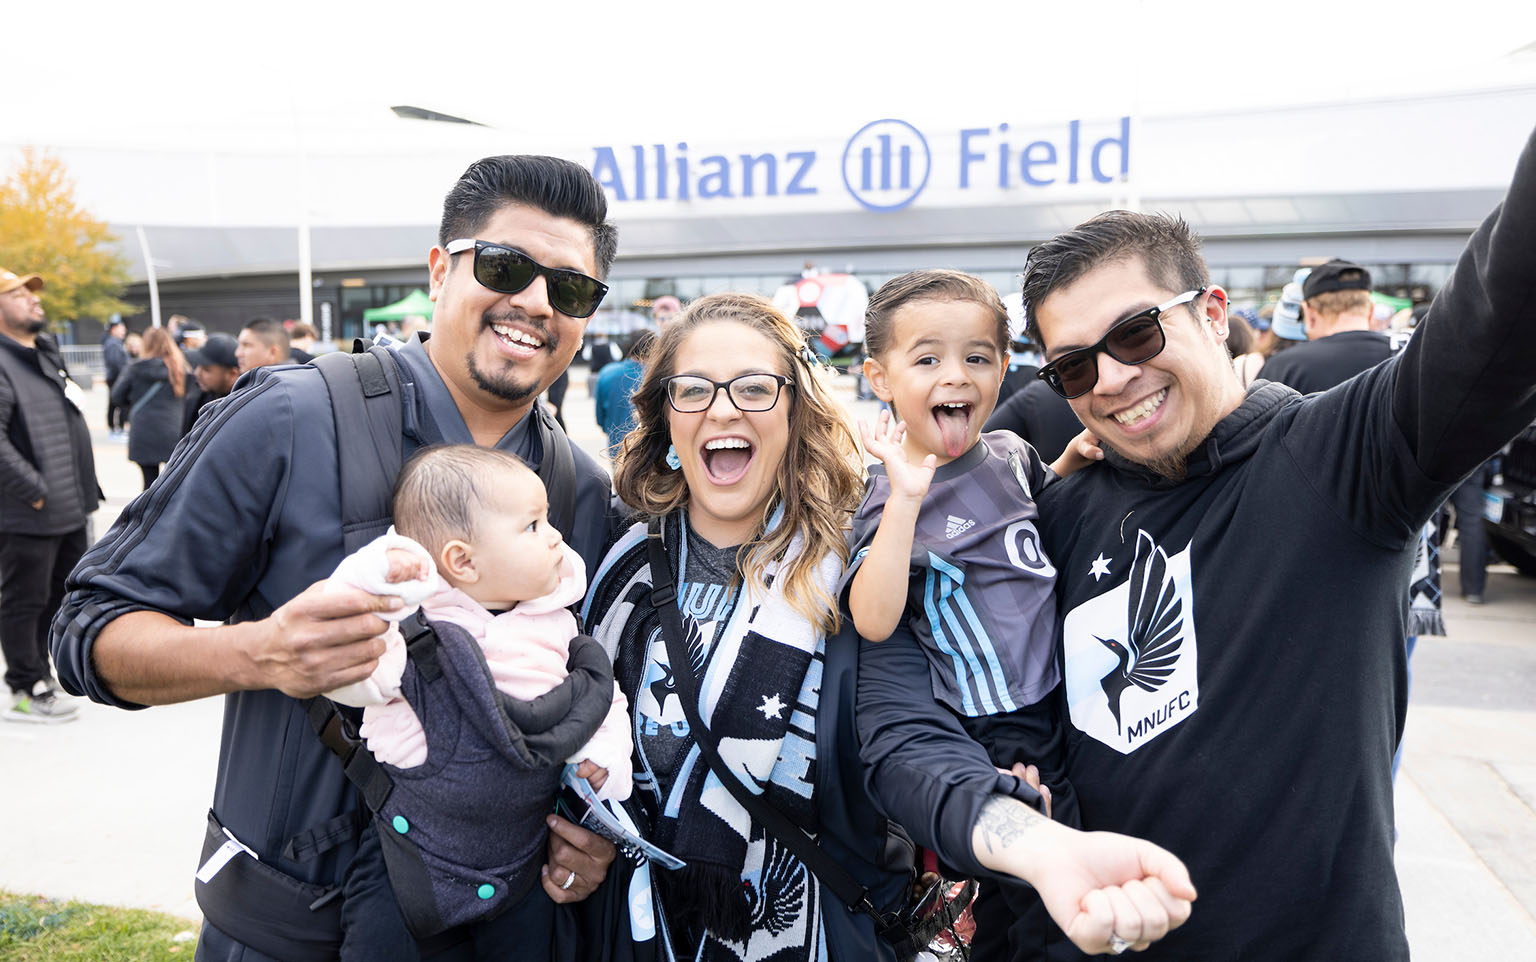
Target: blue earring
{"x":673,"y":461}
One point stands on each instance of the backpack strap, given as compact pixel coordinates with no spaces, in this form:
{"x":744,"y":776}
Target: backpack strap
{"x":365,"y":404}
{"x":557,"y":470}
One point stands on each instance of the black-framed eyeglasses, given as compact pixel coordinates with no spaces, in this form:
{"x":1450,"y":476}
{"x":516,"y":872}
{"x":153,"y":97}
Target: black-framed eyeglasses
{"x":691,"y":393}
{"x":1135,"y":340}
{"x":507,"y":270}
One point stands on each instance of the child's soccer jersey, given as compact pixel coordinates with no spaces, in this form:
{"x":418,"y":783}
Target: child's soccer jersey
{"x":980,"y":590}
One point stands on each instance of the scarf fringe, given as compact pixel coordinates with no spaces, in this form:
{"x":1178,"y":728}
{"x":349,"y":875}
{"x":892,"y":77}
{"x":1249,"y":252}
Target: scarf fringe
{"x":713,"y":896}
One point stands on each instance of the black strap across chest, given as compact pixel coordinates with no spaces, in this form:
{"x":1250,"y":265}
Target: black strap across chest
{"x":828,"y":871}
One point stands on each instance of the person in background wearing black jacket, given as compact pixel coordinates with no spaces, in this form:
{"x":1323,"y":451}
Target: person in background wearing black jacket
{"x":151,"y":390}
{"x":115,"y":358}
{"x":1336,"y":310}
{"x":215,"y":368}
{"x":1231,"y":579}
{"x":245,"y":525}
{"x":47,"y":493}
{"x":263,"y":342}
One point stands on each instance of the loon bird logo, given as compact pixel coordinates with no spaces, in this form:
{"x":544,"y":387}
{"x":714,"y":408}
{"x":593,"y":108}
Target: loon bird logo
{"x":1154,"y":626}
{"x":666,"y":684}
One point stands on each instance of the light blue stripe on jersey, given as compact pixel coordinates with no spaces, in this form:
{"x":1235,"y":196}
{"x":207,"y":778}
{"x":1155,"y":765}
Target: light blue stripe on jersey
{"x":966,"y":628}
{"x":936,"y":625}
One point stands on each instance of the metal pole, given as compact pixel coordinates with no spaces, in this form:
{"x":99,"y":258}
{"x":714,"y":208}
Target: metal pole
{"x":306,"y":281}
{"x":149,"y":272}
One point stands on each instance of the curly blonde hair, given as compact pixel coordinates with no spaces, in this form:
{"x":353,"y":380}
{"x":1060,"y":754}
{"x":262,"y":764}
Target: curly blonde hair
{"x":819,"y":482}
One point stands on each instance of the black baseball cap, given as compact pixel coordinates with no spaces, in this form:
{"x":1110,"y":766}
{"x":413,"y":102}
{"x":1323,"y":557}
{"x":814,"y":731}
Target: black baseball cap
{"x":1336,"y":275}
{"x":218,"y":349}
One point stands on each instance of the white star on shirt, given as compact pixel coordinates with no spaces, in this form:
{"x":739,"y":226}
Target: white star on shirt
{"x":1100,"y":567}
{"x":771,"y":707}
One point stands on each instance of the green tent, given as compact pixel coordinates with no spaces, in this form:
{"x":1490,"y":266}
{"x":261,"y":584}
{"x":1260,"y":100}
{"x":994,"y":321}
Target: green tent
{"x":414,"y":304}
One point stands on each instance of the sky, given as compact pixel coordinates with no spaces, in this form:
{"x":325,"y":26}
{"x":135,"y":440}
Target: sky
{"x":562,"y":76}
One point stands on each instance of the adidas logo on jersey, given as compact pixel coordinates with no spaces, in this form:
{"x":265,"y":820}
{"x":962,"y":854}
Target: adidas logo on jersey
{"x":957,"y":526}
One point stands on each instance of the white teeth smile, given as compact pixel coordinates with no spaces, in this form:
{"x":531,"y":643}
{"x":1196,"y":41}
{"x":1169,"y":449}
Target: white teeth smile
{"x":1131,"y":415}
{"x":515,"y":336}
{"x":955,"y":404}
{"x":719,"y":444}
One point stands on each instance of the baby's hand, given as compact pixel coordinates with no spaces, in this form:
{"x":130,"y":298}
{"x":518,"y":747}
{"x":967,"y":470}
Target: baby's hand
{"x":404,"y":566}
{"x":595,"y":775}
{"x":883,"y":440}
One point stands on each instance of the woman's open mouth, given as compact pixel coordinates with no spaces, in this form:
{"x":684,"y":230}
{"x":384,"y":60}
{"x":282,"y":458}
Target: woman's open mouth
{"x":954,"y":420}
{"x":726,"y":460}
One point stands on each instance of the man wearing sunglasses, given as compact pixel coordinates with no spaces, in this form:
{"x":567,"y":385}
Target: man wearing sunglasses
{"x":247,"y":522}
{"x":1231,"y":577}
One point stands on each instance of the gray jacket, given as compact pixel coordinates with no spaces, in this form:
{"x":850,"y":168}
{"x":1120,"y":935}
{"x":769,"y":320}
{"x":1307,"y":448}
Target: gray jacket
{"x":45,"y":447}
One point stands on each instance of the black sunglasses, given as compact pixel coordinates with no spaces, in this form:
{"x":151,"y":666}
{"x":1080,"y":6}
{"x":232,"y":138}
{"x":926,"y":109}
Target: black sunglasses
{"x":507,"y":271}
{"x":1135,"y":340}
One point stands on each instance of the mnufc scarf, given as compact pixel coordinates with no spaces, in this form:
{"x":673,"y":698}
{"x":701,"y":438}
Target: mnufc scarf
{"x":747,"y":896}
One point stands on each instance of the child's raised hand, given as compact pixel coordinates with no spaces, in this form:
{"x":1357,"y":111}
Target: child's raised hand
{"x":883,"y":440}
{"x":1081,"y":451}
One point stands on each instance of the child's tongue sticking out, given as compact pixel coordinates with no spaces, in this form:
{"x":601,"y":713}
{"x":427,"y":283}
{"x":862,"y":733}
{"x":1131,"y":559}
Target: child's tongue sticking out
{"x":954,"y":425}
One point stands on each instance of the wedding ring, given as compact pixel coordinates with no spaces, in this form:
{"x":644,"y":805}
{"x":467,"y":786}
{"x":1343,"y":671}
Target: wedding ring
{"x":1117,"y":944}
{"x":572,"y":878}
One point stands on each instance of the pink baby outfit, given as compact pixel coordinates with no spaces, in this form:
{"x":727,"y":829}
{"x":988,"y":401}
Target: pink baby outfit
{"x":525,"y":648}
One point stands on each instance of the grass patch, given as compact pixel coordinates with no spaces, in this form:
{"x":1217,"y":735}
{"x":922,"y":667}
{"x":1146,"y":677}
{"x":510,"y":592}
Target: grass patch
{"x":35,"y":929}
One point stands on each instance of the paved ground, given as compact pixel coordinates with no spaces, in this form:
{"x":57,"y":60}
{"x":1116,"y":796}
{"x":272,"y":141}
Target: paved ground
{"x":111,"y":808}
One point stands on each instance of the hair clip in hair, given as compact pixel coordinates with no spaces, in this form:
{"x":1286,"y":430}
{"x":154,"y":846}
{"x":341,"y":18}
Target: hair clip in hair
{"x":809,"y":356}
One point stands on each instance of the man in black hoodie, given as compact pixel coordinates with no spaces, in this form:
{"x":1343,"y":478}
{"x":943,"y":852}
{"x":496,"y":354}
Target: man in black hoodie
{"x":1231,"y":580}
{"x":47,"y":493}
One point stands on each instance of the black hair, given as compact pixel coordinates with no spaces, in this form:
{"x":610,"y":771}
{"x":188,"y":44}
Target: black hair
{"x":558,"y":187}
{"x":1162,"y":242}
{"x":272,"y":333}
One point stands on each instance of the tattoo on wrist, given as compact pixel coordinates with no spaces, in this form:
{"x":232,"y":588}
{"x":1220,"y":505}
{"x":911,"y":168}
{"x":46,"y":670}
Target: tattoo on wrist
{"x":1004,"y":820}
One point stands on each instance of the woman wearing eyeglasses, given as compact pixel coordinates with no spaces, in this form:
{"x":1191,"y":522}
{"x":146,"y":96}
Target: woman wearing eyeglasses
{"x":717,"y":607}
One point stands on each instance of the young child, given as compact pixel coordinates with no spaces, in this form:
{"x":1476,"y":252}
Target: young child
{"x":510,"y":695}
{"x":950,"y":520}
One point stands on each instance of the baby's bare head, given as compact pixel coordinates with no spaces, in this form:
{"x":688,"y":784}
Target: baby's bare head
{"x":449,"y":492}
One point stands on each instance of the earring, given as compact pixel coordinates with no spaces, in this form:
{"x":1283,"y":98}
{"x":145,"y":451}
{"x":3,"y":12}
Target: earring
{"x":673,"y":461}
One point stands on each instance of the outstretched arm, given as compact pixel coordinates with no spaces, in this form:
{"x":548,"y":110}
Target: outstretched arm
{"x":1098,"y":886}
{"x":873,"y":599}
{"x":931,"y":777}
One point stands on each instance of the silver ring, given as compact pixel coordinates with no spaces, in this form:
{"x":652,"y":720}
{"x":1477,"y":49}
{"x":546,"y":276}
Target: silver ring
{"x":1117,"y":944}
{"x":572,"y":878}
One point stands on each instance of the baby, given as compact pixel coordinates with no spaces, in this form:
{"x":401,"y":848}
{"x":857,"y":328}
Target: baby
{"x":509,"y":691}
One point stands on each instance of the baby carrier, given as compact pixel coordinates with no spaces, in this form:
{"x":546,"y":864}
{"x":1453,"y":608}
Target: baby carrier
{"x":483,"y":747}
